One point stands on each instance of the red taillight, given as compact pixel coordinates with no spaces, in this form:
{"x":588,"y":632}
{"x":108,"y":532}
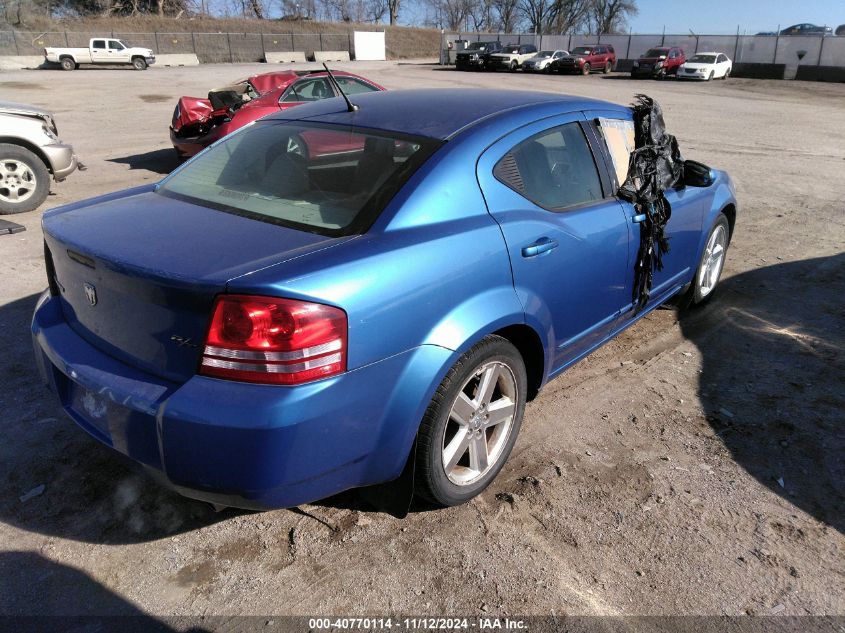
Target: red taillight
{"x":274,"y":341}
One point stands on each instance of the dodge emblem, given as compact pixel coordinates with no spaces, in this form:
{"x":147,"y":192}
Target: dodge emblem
{"x":91,"y":293}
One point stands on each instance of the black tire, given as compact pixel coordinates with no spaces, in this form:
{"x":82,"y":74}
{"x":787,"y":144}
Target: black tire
{"x":712,"y":74}
{"x":513,"y":66}
{"x":726,"y":75}
{"x":699,"y":293}
{"x":585,"y":69}
{"x":67,"y":63}
{"x":28,"y":170}
{"x":431,"y":480}
{"x":139,"y":63}
{"x":607,"y":68}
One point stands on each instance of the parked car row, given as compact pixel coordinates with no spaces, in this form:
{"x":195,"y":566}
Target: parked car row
{"x":658,"y":62}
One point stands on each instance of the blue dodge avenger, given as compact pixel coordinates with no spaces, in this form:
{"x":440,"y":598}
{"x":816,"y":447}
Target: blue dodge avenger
{"x":334,"y":292}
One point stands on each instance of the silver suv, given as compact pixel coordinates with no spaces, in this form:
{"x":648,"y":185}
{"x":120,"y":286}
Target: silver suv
{"x":30,"y":154}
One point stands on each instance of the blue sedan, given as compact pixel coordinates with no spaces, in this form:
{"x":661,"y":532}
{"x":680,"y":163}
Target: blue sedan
{"x":328,"y":295}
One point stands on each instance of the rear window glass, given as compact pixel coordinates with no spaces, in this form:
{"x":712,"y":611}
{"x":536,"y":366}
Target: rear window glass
{"x":326,"y":179}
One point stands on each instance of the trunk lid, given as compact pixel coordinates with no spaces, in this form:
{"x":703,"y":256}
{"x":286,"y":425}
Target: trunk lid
{"x":137,"y":275}
{"x":191,"y":111}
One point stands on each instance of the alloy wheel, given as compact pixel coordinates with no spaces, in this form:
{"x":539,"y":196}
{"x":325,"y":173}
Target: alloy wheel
{"x":480,"y":423}
{"x":714,"y":259}
{"x":17,"y":181}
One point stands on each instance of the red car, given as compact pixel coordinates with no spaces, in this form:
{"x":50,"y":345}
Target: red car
{"x":585,"y":59}
{"x":659,"y":62}
{"x":197,"y":123}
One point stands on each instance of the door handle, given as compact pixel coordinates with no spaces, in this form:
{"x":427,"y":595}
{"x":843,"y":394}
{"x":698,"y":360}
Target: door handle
{"x":543,"y":245}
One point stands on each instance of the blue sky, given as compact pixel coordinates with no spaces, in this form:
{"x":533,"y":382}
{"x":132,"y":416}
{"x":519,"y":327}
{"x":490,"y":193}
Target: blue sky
{"x":713,"y":17}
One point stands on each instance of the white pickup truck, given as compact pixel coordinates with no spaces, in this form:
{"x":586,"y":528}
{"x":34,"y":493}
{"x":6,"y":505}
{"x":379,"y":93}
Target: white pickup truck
{"x":101,"y":50}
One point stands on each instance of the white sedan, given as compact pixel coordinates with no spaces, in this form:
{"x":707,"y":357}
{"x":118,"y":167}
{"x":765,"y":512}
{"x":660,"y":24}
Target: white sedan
{"x":541,"y":61}
{"x":706,"y":66}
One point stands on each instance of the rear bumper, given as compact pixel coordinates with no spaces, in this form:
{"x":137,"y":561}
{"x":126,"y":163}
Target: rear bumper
{"x":237,"y":444}
{"x":187,"y":147}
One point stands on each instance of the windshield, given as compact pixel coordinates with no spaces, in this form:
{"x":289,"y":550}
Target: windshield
{"x":510,"y":50}
{"x":582,"y":50}
{"x":327,"y":179}
{"x":656,"y":52}
{"x":703,"y":59}
{"x":477,"y":46}
{"x":545,"y":54}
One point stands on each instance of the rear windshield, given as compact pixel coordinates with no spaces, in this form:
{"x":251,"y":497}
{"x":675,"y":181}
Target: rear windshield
{"x":327,"y":179}
{"x":581,"y":50}
{"x":545,"y":53}
{"x":656,"y":52}
{"x":703,"y":59}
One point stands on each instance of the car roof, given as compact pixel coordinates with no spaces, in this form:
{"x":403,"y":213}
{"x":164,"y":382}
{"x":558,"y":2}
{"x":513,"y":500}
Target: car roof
{"x":708,"y":53}
{"x":439,"y":113}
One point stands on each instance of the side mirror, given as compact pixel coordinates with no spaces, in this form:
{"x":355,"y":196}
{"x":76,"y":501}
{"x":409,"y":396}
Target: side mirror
{"x":697,"y":174}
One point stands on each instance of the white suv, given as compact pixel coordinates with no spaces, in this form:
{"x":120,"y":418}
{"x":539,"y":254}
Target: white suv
{"x":512,"y":56}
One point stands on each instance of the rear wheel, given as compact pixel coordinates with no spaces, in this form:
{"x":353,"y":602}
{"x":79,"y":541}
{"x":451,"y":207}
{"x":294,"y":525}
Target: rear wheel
{"x":67,"y":63}
{"x":513,"y":66}
{"x":139,"y":63}
{"x":726,"y":75}
{"x":24,"y":180}
{"x":607,"y":68}
{"x":585,"y":69}
{"x":471,"y":425}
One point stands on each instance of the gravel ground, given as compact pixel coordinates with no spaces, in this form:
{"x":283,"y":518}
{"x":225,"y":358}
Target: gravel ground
{"x":691,"y":466}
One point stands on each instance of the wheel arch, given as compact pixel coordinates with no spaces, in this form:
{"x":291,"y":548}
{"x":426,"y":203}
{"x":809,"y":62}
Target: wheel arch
{"x":730,"y":212}
{"x":67,"y":56}
{"x":529,"y":345}
{"x":14,"y":140}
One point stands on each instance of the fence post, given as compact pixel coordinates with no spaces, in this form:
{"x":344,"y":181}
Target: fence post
{"x":155,"y":36}
{"x":777,"y":41}
{"x":349,"y":42}
{"x":663,"y":39}
{"x":569,"y":43}
{"x":628,"y":52}
{"x":736,"y":43}
{"x":229,"y":42}
{"x":66,"y":40}
{"x":263,"y":50}
{"x":321,"y":40}
{"x":291,"y":43}
{"x":598,"y":41}
{"x":696,"y":45}
{"x":193,"y":43}
{"x":15,"y":40}
{"x":821,"y":48}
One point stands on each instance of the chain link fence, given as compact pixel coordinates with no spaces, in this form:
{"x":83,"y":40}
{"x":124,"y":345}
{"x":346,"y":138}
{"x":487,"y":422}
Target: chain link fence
{"x":208,"y":47}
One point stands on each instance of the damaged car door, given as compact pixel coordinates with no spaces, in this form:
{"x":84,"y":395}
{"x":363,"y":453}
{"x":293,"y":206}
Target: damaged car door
{"x":683,"y":229}
{"x":566,"y":234}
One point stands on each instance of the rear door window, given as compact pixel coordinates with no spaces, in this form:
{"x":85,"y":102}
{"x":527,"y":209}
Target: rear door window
{"x":99,"y":44}
{"x":554,"y":169}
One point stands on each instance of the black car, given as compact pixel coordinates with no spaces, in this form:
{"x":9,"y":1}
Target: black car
{"x":476,"y":55}
{"x":806,"y":29}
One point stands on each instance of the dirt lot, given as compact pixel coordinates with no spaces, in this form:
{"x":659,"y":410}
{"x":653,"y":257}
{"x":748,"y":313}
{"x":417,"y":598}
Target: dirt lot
{"x":693,"y":466}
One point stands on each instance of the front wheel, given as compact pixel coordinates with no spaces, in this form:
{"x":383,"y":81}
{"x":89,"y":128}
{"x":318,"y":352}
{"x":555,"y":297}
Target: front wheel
{"x":709,"y":269}
{"x":139,"y":63}
{"x":585,"y":69}
{"x":471,"y":425}
{"x":513,"y":67}
{"x":24,"y":180}
{"x":712,"y":74}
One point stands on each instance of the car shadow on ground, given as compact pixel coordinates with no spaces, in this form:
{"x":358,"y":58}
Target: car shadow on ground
{"x":160,"y":161}
{"x":772,"y":378}
{"x":37,"y":590}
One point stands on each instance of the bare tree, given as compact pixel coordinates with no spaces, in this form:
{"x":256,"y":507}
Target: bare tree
{"x":553,"y":16}
{"x":393,"y":10}
{"x":610,"y":16}
{"x":506,"y":11}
